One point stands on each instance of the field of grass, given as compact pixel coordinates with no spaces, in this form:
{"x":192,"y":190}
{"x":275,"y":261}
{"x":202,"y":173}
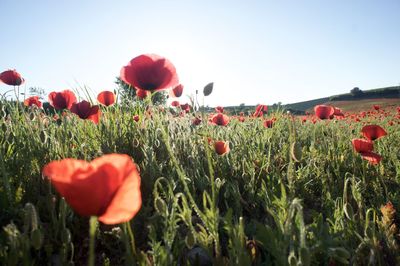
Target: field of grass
{"x":293,"y":194}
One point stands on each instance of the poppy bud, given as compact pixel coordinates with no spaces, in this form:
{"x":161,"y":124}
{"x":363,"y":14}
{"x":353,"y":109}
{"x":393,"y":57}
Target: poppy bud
{"x":36,"y":239}
{"x":190,"y":239}
{"x":208,"y":89}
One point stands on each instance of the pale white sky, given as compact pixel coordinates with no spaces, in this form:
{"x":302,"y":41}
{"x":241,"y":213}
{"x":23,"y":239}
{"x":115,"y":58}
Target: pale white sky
{"x":254,"y":51}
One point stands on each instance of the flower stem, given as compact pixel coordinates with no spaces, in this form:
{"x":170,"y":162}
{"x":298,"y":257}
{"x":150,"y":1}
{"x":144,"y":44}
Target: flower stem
{"x":132,"y":238}
{"x":92,"y":232}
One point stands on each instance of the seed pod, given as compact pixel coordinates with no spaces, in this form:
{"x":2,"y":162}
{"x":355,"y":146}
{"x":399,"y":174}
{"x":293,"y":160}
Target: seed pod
{"x":190,"y":239}
{"x":37,"y":239}
{"x":292,"y":259}
{"x":43,"y":136}
{"x":341,"y":253}
{"x":31,"y":216}
{"x":65,"y":236}
{"x":208,"y":89}
{"x":305,"y":256}
{"x":160,"y":205}
{"x":296,"y":152}
{"x":348,"y":211}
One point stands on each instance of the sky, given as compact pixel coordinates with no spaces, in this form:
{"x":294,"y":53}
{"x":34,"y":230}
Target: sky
{"x":254,"y":51}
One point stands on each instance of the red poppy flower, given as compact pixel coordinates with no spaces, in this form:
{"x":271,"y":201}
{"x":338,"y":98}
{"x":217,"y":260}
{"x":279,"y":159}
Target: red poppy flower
{"x":241,"y":118}
{"x":175,"y":104}
{"x":106,"y":98}
{"x":85,"y":111}
{"x":221,"y":147}
{"x":141,"y":94}
{"x":260,"y":110}
{"x":371,"y":157}
{"x":398,"y":109}
{"x":136,"y":118}
{"x":196,"y":121}
{"x":150,"y":72}
{"x":324,"y":111}
{"x":268,"y":123}
{"x":177,"y":91}
{"x":219,"y":119}
{"x":376,"y":107}
{"x":107,"y":187}
{"x":62,"y":100}
{"x":373,"y":132}
{"x":219,"y":109}
{"x":33,"y":100}
{"x":186,"y":107}
{"x":362,"y":145}
{"x":337,"y":112}
{"x":11,"y":77}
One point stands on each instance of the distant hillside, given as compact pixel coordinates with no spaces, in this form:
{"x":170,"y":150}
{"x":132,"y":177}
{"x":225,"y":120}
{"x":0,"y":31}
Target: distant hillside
{"x":353,"y":101}
{"x":355,"y":95}
{"x":365,"y":104}
{"x":302,"y":106}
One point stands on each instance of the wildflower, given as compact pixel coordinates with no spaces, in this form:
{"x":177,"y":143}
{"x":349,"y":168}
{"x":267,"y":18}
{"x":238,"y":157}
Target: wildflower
{"x":219,"y":109}
{"x":62,"y":100}
{"x":177,"y":91}
{"x":175,"y":103}
{"x":185,"y":107}
{"x":268,"y":123}
{"x":371,"y":157}
{"x":11,"y":77}
{"x":196,"y":121}
{"x":85,"y":111}
{"x":337,"y":112}
{"x":373,"y":132}
{"x":260,"y":110}
{"x":219,"y":119}
{"x":324,"y":111}
{"x":221,"y":147}
{"x":33,"y":100}
{"x":150,"y":72}
{"x":106,"y":98}
{"x":107,"y":187}
{"x":362,"y":145}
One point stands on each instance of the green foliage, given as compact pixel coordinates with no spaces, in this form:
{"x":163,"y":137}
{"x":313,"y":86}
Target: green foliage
{"x":127,"y":94}
{"x":293,"y":194}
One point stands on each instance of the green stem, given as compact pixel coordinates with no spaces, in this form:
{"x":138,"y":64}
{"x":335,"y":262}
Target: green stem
{"x":214,"y":199}
{"x":92,"y":232}
{"x":211,"y":170}
{"x":5,"y":178}
{"x":132,"y":238}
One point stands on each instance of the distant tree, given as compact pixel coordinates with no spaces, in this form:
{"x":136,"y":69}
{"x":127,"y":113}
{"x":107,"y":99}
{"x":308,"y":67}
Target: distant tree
{"x":36,"y":91}
{"x":127,"y":94}
{"x":356,"y":91}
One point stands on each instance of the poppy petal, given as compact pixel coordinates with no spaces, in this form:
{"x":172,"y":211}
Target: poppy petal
{"x":126,"y":202}
{"x":371,"y":157}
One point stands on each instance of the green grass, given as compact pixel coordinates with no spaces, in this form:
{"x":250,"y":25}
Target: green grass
{"x":294,"y":194}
